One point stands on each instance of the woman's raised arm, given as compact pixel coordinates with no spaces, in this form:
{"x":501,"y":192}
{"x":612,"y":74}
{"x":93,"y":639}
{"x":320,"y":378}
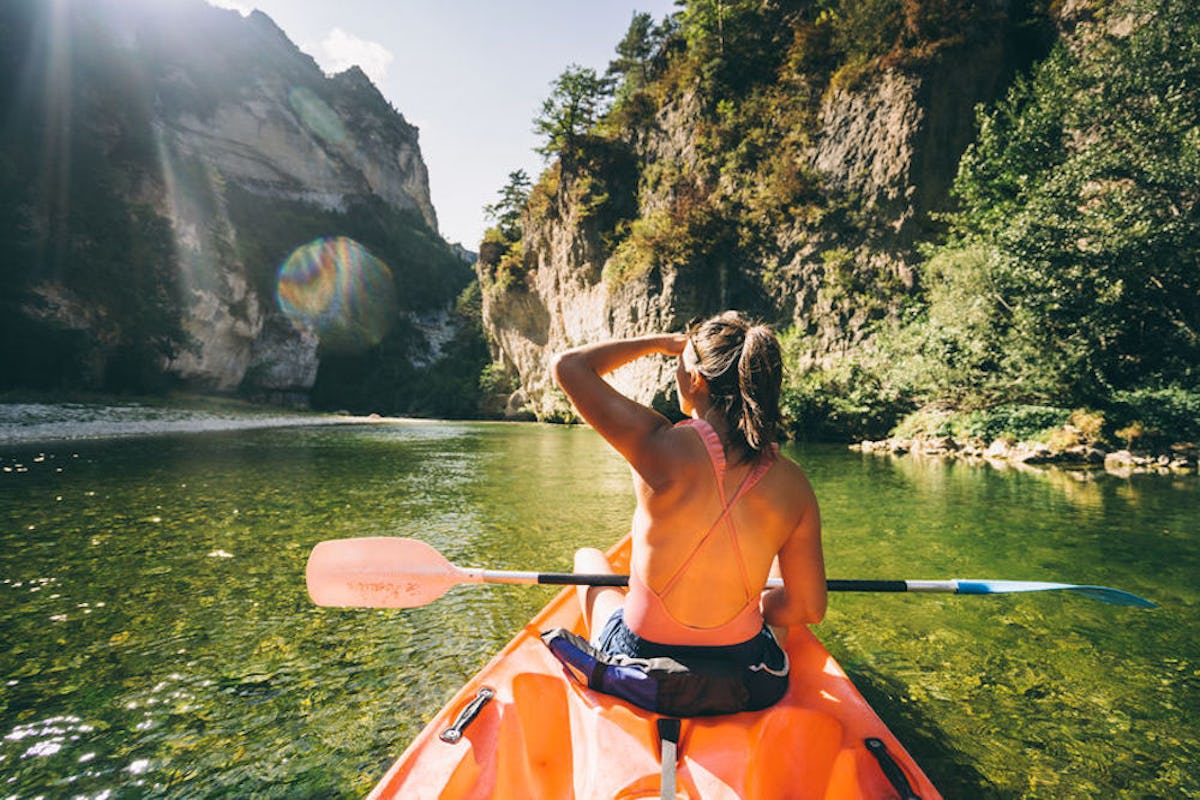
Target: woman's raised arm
{"x":627,"y":425}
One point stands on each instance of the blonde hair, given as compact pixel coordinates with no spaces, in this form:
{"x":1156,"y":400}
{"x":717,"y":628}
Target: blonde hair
{"x":742,"y":364}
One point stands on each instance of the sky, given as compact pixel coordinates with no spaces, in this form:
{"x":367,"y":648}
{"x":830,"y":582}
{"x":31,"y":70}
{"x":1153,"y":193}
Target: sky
{"x":470,"y":74}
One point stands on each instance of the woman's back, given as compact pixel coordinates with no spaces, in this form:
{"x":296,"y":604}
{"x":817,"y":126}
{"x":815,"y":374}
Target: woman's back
{"x":716,"y":505}
{"x":705,"y":549}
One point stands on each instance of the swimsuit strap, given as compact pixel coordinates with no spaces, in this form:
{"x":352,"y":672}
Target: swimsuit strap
{"x":712,"y":443}
{"x":716,"y":453}
{"x":748,"y":483}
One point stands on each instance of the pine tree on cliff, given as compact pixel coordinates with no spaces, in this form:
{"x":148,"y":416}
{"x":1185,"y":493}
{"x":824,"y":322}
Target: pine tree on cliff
{"x":578,"y":100}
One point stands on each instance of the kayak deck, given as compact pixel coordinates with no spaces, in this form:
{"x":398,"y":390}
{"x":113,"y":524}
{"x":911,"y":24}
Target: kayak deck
{"x":543,"y":736}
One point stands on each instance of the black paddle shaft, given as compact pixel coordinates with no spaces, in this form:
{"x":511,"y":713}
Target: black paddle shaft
{"x":576,"y":579}
{"x":866,"y":586}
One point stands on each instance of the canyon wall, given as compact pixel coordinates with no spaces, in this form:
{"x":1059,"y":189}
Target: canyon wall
{"x":881,"y":152}
{"x":217,"y":129}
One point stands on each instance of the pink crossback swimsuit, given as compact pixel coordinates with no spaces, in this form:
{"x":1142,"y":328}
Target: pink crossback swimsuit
{"x":646,"y":612}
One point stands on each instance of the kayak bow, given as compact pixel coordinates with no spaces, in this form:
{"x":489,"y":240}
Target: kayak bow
{"x":522,"y":729}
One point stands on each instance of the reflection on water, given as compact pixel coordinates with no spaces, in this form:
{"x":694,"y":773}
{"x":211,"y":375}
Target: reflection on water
{"x":159,"y":642}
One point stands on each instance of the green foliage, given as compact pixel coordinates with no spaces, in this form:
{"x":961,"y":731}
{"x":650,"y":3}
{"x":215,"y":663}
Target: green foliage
{"x":493,"y":247}
{"x":647,"y":245}
{"x":1143,"y":417}
{"x":631,"y":70}
{"x":862,"y":34}
{"x":1080,"y":224}
{"x":733,"y":45}
{"x":845,"y":401}
{"x":501,"y":262}
{"x":385,"y":380}
{"x":506,"y":212}
{"x":496,"y":378}
{"x":577,"y":101}
{"x":1168,"y":415}
{"x":603,"y":186}
{"x":960,"y":347}
{"x":543,"y":197}
{"x":72,"y":156}
{"x":510,"y":271}
{"x":691,"y":236}
{"x":1013,"y":422}
{"x":451,"y":387}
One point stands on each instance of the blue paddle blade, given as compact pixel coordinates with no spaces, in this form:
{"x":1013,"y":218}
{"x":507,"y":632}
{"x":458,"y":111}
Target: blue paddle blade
{"x":1118,"y":597}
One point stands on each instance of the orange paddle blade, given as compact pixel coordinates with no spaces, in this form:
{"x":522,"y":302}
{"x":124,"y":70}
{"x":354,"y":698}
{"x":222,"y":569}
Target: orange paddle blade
{"x":379,"y":572}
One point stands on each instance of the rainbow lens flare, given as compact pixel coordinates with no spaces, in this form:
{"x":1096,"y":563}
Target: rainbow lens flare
{"x":334,"y":287}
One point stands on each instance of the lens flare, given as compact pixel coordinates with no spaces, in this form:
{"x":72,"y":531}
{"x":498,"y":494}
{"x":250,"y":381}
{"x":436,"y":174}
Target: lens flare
{"x":317,"y":117}
{"x":337,"y":289}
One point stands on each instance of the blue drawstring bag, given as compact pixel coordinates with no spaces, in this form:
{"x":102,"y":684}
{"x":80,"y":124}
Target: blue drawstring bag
{"x":696,"y":687}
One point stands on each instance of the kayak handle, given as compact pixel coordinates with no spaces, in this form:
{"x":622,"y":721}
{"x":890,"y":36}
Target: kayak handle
{"x":891,"y":769}
{"x":454,"y":733}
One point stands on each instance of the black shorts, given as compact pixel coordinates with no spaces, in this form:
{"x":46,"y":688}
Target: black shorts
{"x":676,"y":680}
{"x":757,"y":654}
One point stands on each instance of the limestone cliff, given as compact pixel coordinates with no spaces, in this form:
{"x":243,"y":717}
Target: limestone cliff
{"x":889,"y":149}
{"x":219,"y":126}
{"x":869,"y":158}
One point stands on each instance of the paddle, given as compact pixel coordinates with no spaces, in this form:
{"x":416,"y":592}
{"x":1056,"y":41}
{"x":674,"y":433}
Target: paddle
{"x":392,"y":572}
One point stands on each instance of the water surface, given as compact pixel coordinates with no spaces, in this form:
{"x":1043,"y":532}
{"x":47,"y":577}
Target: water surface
{"x":158,"y":641}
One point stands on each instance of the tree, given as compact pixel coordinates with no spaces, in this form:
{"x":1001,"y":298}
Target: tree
{"x":507,"y":210}
{"x":1080,"y":201}
{"x":632,"y":65}
{"x":573,"y":107}
{"x":734,"y":44}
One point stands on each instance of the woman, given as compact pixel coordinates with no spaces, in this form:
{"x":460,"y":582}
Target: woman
{"x":716,"y":506}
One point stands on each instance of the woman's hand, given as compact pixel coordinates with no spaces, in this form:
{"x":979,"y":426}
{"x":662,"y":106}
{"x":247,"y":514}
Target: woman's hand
{"x":674,"y":344}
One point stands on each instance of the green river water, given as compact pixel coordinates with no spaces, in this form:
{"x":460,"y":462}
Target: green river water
{"x":158,"y":641}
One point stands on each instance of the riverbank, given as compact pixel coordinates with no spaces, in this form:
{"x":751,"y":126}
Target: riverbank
{"x":34,"y":419}
{"x":1178,"y":459}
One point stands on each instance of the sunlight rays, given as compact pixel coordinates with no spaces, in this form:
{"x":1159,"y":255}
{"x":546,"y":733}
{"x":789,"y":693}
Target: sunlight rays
{"x":50,"y":55}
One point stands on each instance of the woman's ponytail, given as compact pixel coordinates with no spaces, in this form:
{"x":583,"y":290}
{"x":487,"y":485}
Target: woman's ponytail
{"x":760,"y":377}
{"x":743,"y":366}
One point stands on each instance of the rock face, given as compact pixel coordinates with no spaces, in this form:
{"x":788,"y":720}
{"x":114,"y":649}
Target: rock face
{"x":280,"y":141}
{"x":284,"y":140}
{"x":559,"y":307}
{"x":890,"y":149}
{"x":225,"y":123}
{"x":887,"y":149}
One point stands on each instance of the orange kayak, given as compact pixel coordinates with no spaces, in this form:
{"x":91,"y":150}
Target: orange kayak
{"x":521,"y":728}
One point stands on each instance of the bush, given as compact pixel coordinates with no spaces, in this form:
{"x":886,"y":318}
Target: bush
{"x":1016,"y":421}
{"x":1079,"y":196}
{"x":496,"y":378}
{"x":846,"y":401}
{"x":1158,"y":416}
{"x":925,"y":423}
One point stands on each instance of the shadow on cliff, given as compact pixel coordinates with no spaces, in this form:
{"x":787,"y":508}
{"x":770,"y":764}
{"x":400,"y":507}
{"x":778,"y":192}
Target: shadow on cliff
{"x":950,"y":770}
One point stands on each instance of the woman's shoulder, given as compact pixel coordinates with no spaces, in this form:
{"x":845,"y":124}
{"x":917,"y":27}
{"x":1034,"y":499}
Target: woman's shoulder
{"x":679,"y":456}
{"x":788,"y":477}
